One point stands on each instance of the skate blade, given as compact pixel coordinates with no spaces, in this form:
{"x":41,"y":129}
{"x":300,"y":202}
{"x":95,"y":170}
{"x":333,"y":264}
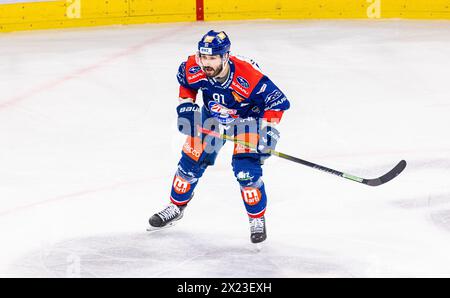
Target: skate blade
{"x":155,"y":229}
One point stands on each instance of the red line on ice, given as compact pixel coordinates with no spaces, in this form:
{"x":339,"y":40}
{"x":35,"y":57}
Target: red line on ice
{"x":82,"y":71}
{"x":72,"y":195}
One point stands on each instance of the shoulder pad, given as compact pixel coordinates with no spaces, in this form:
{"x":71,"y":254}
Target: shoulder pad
{"x":194,"y":72}
{"x":246,"y":76}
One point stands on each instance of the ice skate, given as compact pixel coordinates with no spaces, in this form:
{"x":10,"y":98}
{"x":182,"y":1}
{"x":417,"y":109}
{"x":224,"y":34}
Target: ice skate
{"x":257,"y":229}
{"x":167,"y":217}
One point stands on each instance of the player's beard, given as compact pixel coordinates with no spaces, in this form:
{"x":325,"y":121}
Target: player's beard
{"x":207,"y":70}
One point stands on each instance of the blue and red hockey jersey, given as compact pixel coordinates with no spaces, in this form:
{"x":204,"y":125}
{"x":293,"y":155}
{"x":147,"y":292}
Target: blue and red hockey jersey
{"x":246,"y":93}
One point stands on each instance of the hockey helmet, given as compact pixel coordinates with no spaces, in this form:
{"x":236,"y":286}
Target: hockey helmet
{"x":214,"y":43}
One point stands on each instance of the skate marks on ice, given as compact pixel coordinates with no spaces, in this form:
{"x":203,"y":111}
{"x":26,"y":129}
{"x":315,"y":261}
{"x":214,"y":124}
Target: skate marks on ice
{"x":430,"y":201}
{"x":435,"y":203}
{"x":176,"y":254}
{"x":441,"y":218}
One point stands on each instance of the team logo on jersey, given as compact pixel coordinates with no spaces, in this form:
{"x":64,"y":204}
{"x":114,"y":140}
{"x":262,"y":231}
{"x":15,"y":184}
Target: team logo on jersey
{"x":237,"y":97}
{"x":276,"y":103}
{"x":194,"y":69}
{"x":180,"y":185}
{"x":243,"y":82}
{"x":251,"y":195}
{"x":195,"y":76}
{"x":274,"y":95}
{"x":223,"y":114}
{"x":263,"y":88}
{"x":256,"y":110}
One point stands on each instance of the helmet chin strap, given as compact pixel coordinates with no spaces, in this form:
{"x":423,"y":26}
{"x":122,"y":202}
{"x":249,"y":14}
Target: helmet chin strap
{"x":198,"y":60}
{"x":225,"y":60}
{"x":224,"y":66}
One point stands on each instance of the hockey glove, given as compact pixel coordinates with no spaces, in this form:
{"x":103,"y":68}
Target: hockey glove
{"x":189,"y":116}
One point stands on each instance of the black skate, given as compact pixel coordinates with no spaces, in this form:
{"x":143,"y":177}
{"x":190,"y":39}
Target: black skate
{"x":167,"y":217}
{"x":258,"y":229}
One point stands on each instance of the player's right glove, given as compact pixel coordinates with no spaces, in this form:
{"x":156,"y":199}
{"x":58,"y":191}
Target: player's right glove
{"x":189,"y":116}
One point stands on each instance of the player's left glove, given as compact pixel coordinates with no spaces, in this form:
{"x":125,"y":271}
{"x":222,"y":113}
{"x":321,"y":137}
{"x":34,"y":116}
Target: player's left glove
{"x":268,"y":139}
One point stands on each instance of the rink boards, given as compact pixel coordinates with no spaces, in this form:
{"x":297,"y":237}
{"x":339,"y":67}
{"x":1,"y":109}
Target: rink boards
{"x":18,"y":15}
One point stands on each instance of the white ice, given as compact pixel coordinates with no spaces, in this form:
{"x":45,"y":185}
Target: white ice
{"x":88,"y":148}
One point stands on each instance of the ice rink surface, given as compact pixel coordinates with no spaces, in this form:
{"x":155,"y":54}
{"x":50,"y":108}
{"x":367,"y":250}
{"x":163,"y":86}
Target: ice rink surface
{"x":89,"y":146}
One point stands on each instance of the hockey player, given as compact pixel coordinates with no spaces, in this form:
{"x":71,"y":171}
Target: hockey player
{"x":238,"y":100}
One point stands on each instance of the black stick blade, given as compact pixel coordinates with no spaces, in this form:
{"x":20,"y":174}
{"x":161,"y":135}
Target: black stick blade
{"x":388,"y":176}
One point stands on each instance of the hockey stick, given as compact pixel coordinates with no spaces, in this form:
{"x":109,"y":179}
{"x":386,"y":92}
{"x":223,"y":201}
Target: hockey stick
{"x":371,"y":182}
